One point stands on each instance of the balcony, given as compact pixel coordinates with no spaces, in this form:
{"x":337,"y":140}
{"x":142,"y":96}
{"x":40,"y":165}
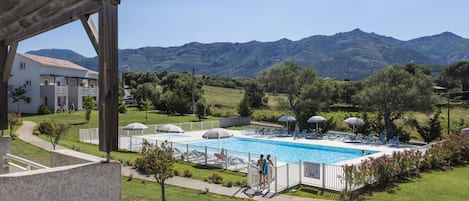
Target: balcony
{"x":54,"y":89}
{"x":88,"y":91}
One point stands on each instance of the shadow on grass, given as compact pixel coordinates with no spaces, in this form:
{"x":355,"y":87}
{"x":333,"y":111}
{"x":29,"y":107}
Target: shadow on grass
{"x":78,"y":124}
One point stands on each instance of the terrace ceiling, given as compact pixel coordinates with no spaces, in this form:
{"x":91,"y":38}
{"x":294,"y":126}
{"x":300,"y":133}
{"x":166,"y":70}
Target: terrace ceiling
{"x":21,"y":19}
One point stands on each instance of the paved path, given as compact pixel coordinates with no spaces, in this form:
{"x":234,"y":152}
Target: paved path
{"x":25,"y":133}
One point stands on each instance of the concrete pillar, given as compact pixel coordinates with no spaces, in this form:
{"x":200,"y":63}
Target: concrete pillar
{"x":5,"y":142}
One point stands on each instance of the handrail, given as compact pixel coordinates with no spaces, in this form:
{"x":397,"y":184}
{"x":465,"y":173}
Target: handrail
{"x":26,"y":161}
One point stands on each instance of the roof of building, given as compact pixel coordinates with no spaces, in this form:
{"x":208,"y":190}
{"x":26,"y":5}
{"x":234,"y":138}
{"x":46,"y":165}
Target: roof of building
{"x":56,"y":62}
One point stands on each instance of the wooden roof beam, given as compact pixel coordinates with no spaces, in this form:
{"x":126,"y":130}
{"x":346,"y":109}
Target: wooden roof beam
{"x":50,"y":22}
{"x":91,"y":30}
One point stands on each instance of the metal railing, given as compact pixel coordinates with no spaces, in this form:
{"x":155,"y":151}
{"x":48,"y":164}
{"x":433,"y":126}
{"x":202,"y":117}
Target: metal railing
{"x":321,"y":175}
{"x":90,"y":135}
{"x":18,"y":164}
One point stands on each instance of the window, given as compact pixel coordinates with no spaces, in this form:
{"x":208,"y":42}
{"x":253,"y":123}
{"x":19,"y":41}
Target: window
{"x":22,"y":66}
{"x":28,"y":99}
{"x":28,"y":82}
{"x":58,"y":83}
{"x":46,"y":82}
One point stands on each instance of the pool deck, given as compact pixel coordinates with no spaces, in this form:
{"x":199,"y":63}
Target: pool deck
{"x":382,"y":149}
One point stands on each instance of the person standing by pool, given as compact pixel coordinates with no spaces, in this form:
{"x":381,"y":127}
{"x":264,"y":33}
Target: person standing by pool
{"x":259,"y":165}
{"x":268,"y":164}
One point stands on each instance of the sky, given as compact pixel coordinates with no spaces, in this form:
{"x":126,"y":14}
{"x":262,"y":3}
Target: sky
{"x":167,"y":23}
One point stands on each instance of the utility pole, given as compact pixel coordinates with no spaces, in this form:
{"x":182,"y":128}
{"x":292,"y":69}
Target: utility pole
{"x":193,"y":88}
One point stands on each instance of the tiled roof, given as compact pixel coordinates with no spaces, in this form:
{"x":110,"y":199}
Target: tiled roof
{"x":55,"y":62}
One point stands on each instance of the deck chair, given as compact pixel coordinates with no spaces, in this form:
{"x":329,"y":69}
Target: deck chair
{"x":394,"y":141}
{"x":312,"y":135}
{"x":381,"y":140}
{"x":369,"y":139}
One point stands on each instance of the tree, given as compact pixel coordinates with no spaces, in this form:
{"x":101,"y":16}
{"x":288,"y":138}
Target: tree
{"x":432,"y":131}
{"x":145,"y":105}
{"x":13,"y":120}
{"x":289,"y":79}
{"x":18,"y":95}
{"x":460,"y":72}
{"x":393,"y":91}
{"x":244,"y":109}
{"x":88,"y":104}
{"x":54,"y":131}
{"x":159,"y":162}
{"x":146,"y":91}
{"x":201,"y":109}
{"x":314,"y":98}
{"x":255,"y":94}
{"x":58,"y":131}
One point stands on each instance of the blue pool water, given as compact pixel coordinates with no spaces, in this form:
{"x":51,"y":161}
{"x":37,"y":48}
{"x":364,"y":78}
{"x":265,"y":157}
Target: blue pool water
{"x":165,"y":136}
{"x":285,"y":151}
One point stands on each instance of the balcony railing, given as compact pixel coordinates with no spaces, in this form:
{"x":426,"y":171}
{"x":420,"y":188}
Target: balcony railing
{"x":18,"y":164}
{"x":89,"y":91}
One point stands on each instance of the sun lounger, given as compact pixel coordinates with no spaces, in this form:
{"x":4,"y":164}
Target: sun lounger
{"x":381,"y":139}
{"x":344,"y":137}
{"x":394,"y":141}
{"x":312,"y":135}
{"x":369,"y":139}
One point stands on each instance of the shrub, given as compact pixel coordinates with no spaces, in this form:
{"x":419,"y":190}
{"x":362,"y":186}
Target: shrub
{"x":131,"y":176}
{"x":217,"y":178}
{"x":237,"y":183}
{"x":229,"y":184}
{"x":188,"y":172}
{"x":43,"y":109}
{"x":122,"y":108}
{"x":46,"y":128}
{"x":177,"y":172}
{"x":36,"y":132}
{"x":205,"y":179}
{"x":127,"y":163}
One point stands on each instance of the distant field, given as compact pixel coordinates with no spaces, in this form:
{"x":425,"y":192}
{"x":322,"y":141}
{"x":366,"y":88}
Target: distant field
{"x":224,"y":101}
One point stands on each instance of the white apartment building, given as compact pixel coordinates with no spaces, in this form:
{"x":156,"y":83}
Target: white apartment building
{"x":53,"y":82}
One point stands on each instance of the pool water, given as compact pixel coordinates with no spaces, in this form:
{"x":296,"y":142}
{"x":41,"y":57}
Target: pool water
{"x":285,"y":151}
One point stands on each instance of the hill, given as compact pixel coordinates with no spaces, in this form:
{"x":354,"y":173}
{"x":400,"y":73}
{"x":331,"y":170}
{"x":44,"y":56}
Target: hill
{"x":349,"y":55}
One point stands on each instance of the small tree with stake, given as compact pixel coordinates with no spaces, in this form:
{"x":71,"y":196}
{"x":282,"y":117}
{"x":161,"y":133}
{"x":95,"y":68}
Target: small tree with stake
{"x":159,"y":162}
{"x":88,"y":104}
{"x":13,"y":120}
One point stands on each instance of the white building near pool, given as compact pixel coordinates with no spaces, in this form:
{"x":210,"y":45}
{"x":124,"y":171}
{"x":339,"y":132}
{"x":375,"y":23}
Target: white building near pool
{"x":56,"y":83}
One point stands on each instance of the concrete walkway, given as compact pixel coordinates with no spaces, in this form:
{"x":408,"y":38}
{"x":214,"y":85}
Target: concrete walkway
{"x":25,"y":133}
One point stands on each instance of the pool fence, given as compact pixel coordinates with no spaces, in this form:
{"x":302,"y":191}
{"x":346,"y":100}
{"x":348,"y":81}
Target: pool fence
{"x":283,"y":175}
{"x":90,"y":135}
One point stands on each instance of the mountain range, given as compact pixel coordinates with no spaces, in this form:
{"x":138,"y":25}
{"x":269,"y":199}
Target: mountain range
{"x":349,"y":55}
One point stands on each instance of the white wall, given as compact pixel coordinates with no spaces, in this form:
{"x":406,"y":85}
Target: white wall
{"x":19,"y":78}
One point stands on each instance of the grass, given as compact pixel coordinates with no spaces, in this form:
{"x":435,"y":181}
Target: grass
{"x":30,"y":152}
{"x":435,"y":186}
{"x":311,"y":192}
{"x":138,"y":190}
{"x":76,"y":122}
{"x":224,"y":101}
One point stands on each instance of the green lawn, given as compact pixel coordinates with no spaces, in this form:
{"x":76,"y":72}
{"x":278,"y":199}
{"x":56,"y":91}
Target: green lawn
{"x":435,"y":186}
{"x":30,"y":152}
{"x":138,"y":190}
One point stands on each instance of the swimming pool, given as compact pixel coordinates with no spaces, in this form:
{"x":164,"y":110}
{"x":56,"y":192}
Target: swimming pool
{"x":286,"y":151}
{"x":168,"y":137}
